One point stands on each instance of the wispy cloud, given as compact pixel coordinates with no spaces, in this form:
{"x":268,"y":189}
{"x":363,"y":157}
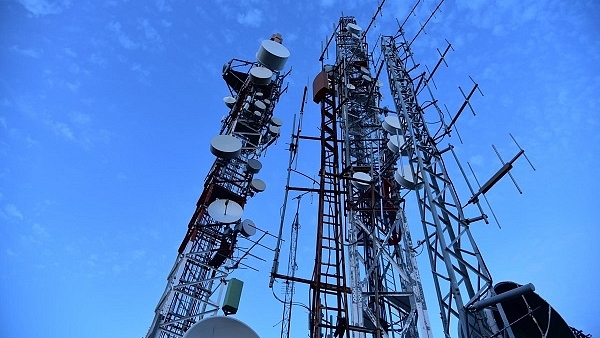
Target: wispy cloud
{"x":124,"y":39}
{"x":61,"y":129}
{"x":40,"y":232}
{"x":143,"y":74}
{"x":69,"y":52}
{"x":253,"y":17}
{"x":29,"y":52}
{"x":163,"y":6}
{"x":98,"y":60}
{"x":11,"y":212}
{"x":43,"y":7}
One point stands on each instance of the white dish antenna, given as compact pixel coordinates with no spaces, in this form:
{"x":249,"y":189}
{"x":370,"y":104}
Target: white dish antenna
{"x":396,"y":144}
{"x":229,"y":101}
{"x":225,"y":146}
{"x":274,"y":130}
{"x":354,"y":28}
{"x":272,"y":55}
{"x":391,"y":124}
{"x":276,"y":121}
{"x":406,"y":179}
{"x":246,"y":228}
{"x":260,"y":106}
{"x":258,"y":185}
{"x":260,"y":76}
{"x":225,"y":211}
{"x":362,"y":177}
{"x":220,"y":327}
{"x":253,"y":166}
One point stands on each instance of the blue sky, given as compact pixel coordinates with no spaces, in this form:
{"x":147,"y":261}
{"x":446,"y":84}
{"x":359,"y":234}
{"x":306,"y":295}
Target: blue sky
{"x":107,"y":109}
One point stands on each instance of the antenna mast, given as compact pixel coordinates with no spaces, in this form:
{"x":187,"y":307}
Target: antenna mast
{"x":209,"y":251}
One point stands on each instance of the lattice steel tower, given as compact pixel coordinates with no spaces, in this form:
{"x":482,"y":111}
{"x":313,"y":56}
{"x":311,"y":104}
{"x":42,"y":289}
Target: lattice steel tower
{"x":373,"y":160}
{"x":386,"y":296}
{"x":209,"y":251}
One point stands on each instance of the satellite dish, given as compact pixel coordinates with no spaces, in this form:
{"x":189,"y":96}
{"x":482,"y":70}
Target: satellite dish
{"x":267,"y":102}
{"x":220,"y":327}
{"x":258,"y":185}
{"x":246,"y":228}
{"x":225,"y":211}
{"x":365,"y":70}
{"x":354,"y":28}
{"x":527,"y":323}
{"x":367,"y":78}
{"x":272,"y":55}
{"x":276,"y":121}
{"x":260,"y":106}
{"x":225,"y":146}
{"x":363,"y":177}
{"x":405,"y":178}
{"x":258,"y":95}
{"x":253,"y":166}
{"x":274,"y":130}
{"x":229,"y":101}
{"x":260,"y":76}
{"x":396,"y":143}
{"x":350,"y":86}
{"x":391,"y":124}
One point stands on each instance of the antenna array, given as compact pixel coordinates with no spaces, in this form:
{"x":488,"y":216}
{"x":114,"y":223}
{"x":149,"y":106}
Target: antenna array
{"x":210,"y":250}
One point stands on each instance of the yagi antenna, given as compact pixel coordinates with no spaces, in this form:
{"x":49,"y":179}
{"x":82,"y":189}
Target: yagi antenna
{"x":442,"y":59}
{"x":524,"y":155}
{"x":484,"y":197}
{"x":449,"y":126}
{"x":466,"y":103}
{"x":505,"y":169}
{"x":426,"y":22}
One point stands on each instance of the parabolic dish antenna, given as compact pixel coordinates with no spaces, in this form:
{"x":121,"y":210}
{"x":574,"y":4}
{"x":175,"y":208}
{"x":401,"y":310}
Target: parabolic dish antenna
{"x":246,"y":228}
{"x":272,"y":55}
{"x":258,"y":185}
{"x":225,"y":146}
{"x":396,"y":143}
{"x":363,"y":177}
{"x":220,"y":327}
{"x":406,"y":179}
{"x":354,"y":28}
{"x":276,"y":121}
{"x":391,"y":124}
{"x":260,"y":106}
{"x":229,"y":101}
{"x":225,"y":211}
{"x":260,"y":76}
{"x":274,"y":130}
{"x":253,"y":166}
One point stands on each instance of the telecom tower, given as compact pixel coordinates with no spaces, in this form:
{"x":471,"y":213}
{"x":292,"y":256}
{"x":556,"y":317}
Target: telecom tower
{"x":210,"y":251}
{"x":374,"y":161}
